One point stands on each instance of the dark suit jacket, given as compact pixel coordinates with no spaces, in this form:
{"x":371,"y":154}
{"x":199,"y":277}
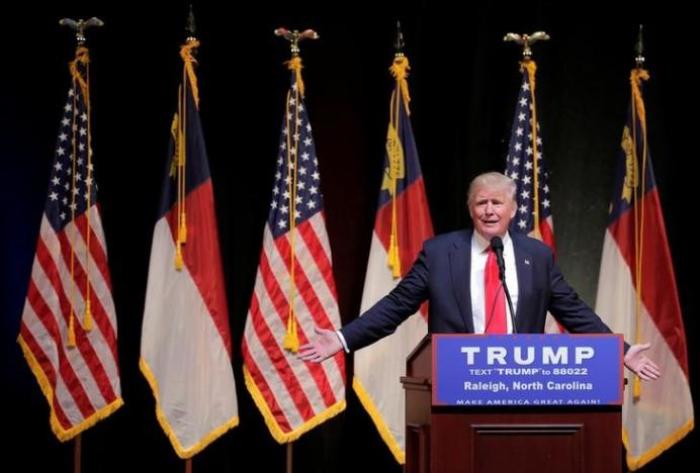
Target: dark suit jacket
{"x":441,"y":275}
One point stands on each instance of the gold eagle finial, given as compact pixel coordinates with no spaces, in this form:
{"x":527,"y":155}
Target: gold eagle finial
{"x":294,"y":36}
{"x":80,"y":25}
{"x":526,"y":40}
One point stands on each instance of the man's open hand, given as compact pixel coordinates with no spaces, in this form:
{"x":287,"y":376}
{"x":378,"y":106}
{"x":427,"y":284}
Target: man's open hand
{"x":324,"y":344}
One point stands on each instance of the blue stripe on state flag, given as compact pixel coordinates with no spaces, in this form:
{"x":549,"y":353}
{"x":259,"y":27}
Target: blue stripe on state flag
{"x":629,"y":170}
{"x":196,"y":165}
{"x":411,"y":163}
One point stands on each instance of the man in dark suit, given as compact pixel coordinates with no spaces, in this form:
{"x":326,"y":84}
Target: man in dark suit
{"x":452,"y":273}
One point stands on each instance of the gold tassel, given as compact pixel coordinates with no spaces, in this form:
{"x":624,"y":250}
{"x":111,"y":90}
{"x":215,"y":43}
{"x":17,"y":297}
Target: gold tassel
{"x":394,"y":259}
{"x":395,"y":171}
{"x":636,"y":388}
{"x":71,"y":330}
{"x":87,"y":320}
{"x":183,"y":229}
{"x":179,"y":263}
{"x":291,"y":340}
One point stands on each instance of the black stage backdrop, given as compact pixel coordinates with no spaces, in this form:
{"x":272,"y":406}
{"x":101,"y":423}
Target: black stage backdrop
{"x":464,"y":83}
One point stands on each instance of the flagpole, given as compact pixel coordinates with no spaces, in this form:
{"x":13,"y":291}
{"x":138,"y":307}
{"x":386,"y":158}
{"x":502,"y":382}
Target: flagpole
{"x":79,"y":26}
{"x":289,"y":457}
{"x":77,"y":453}
{"x":191,"y":30}
{"x":638,"y":116}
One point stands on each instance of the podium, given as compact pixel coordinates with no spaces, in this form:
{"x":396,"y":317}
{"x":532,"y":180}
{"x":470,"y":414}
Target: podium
{"x":494,"y":438}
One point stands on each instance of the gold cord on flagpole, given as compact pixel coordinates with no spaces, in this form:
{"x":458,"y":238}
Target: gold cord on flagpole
{"x":186,"y":53}
{"x":179,"y":169}
{"x":395,"y":155}
{"x":189,"y":78}
{"x":393,"y":149}
{"x":638,"y":113}
{"x":87,"y":320}
{"x":291,"y":338}
{"x":531,"y":68}
{"x":399,"y":69}
{"x":182,"y":157}
{"x":71,"y":318}
{"x":295,"y":66}
{"x":81,"y":56}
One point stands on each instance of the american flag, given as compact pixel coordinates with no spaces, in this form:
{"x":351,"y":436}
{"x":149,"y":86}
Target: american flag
{"x":526,"y":166}
{"x":534,"y":215}
{"x":72,"y":351}
{"x":295,"y":268}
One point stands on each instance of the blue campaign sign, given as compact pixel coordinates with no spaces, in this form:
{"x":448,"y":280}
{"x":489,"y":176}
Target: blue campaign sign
{"x":526,"y":370}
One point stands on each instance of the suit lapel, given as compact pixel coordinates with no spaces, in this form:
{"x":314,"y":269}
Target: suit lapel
{"x":523,"y":265}
{"x":460,"y":267}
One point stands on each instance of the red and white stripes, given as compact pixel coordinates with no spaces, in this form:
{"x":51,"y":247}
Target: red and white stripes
{"x":293,"y":396}
{"x":81,"y":383}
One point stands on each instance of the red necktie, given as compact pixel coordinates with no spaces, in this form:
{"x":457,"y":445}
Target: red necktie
{"x":494,"y":299}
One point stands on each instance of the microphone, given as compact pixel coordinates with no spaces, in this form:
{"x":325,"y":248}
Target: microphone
{"x":497,"y":247}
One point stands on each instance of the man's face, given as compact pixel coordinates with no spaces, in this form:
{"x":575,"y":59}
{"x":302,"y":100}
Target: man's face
{"x":491,"y":210}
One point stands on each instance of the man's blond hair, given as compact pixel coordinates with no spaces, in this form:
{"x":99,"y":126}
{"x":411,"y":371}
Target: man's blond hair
{"x":493,"y":180}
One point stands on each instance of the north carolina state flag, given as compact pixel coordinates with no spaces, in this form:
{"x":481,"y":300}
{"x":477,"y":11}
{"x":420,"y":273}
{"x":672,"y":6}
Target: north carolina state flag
{"x":637,"y":296}
{"x":401,"y":226}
